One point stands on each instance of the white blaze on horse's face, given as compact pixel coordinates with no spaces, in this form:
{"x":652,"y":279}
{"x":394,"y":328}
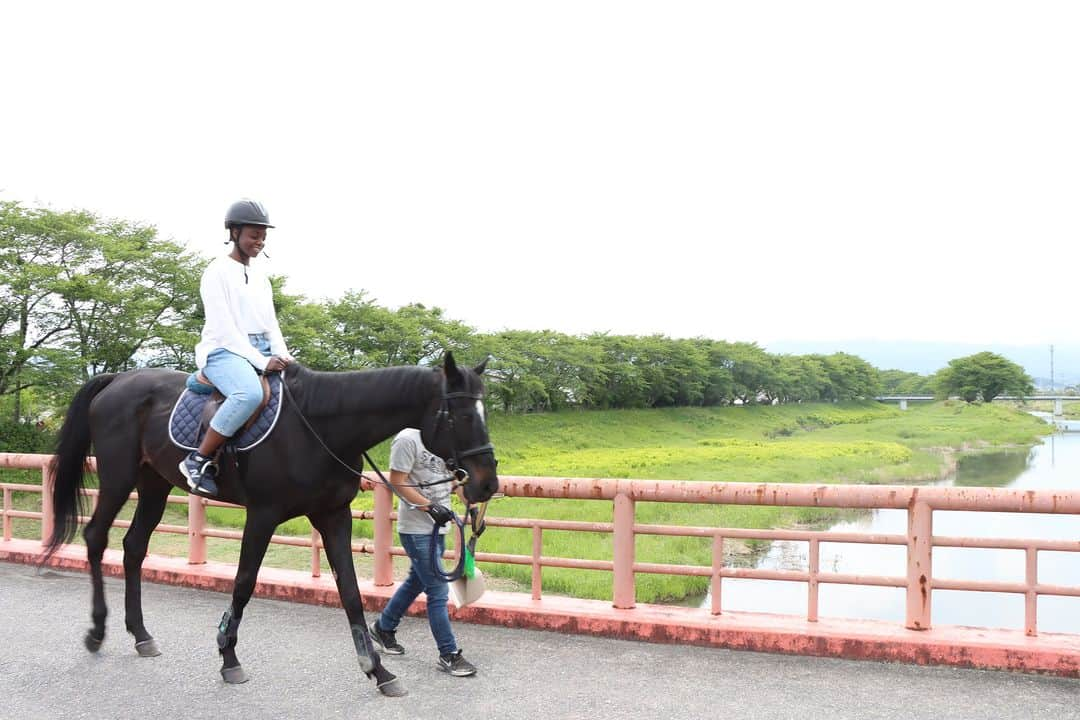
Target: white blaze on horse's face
{"x":480,"y":411}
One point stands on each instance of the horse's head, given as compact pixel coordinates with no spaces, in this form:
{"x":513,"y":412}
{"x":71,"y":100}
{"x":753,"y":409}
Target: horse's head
{"x":456,"y":431}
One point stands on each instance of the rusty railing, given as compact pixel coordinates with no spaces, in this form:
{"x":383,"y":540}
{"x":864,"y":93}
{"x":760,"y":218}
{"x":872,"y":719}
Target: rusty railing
{"x":919,"y":502}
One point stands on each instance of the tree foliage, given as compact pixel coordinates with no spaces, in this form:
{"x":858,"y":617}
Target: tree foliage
{"x":984,"y":376}
{"x":80,"y":295}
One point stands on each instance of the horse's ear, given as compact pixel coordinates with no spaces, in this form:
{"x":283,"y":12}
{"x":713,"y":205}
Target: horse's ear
{"x":450,"y":367}
{"x":479,"y":369}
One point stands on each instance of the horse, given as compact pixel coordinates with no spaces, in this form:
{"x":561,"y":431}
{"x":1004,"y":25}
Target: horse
{"x":297,"y":471}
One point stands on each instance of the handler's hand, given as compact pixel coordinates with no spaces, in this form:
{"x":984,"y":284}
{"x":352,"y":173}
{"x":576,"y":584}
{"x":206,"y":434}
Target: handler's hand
{"x":275,"y":364}
{"x":440,"y":514}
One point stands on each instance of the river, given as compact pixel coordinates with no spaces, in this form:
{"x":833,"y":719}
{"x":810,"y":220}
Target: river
{"x":1053,"y":464}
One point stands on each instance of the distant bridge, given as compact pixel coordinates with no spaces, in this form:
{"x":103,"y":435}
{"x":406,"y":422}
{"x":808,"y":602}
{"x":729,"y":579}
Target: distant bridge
{"x":1059,"y":400}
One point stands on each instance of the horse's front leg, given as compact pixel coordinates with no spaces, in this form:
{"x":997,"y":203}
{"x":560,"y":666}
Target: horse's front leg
{"x":335,"y":526}
{"x":258,"y":530}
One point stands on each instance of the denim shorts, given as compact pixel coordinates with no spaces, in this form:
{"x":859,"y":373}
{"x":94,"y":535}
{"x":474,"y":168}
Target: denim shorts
{"x":238,"y":381}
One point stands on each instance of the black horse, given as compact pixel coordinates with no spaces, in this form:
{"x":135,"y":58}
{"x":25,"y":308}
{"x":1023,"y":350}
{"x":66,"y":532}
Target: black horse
{"x":304,"y":468}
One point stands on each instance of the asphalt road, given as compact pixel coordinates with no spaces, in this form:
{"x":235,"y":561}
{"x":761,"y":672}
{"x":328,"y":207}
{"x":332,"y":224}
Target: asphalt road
{"x":302,"y":665}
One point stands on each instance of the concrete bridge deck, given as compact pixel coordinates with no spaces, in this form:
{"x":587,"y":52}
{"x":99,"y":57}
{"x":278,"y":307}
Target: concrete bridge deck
{"x":302,"y":665}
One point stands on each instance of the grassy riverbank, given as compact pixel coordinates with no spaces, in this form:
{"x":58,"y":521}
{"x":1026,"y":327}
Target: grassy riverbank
{"x":821,"y":443}
{"x":850,"y":443}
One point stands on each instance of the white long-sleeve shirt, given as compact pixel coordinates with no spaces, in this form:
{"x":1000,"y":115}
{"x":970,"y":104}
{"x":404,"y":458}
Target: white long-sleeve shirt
{"x":238,"y":301}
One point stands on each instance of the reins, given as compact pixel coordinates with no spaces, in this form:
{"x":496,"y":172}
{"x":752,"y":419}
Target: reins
{"x":366,"y":457}
{"x":457,"y":475}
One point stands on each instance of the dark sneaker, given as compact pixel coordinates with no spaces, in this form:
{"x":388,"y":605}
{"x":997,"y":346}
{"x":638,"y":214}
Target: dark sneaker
{"x":199,"y":472}
{"x":386,"y":640}
{"x":456,"y":665}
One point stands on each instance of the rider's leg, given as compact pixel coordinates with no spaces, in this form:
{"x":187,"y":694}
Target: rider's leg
{"x":211,"y":442}
{"x":237,"y":380}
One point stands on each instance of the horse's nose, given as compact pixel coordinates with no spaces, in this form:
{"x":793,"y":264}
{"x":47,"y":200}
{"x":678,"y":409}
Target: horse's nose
{"x":483,"y":483}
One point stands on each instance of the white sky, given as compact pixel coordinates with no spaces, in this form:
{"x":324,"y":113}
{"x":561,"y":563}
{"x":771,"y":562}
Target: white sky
{"x":742,"y":171}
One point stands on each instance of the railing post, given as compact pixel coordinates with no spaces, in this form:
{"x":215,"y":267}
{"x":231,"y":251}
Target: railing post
{"x":920,"y":540}
{"x":812,"y":585}
{"x":1031,"y":598}
{"x":717,"y":569}
{"x":537,"y":553}
{"x":316,"y":569}
{"x":196,"y":527}
{"x":7,"y":518}
{"x":624,"y":594}
{"x":384,"y":529}
{"x":47,"y":482}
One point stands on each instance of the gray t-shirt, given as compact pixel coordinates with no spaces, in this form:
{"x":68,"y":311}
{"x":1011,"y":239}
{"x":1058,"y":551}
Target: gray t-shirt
{"x":408,"y":455}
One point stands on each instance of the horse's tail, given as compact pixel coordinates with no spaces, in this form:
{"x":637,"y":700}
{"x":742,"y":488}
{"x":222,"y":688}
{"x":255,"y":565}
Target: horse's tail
{"x":68,"y":464}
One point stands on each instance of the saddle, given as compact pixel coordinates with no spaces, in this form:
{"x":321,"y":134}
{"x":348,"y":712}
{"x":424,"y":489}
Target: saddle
{"x":199,"y":402}
{"x":200,"y":384}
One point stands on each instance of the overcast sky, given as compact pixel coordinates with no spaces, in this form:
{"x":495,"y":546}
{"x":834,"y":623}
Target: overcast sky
{"x":755,"y":171}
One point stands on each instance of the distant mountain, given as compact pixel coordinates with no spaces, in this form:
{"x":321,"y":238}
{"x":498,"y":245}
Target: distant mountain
{"x":929,"y":357}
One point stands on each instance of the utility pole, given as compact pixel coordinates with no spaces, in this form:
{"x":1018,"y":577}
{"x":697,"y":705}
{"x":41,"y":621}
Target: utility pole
{"x":1051,"y":369}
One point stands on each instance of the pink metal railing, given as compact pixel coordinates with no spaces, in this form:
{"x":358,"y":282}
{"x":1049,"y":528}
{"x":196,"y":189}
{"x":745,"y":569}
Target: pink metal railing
{"x":920,"y":503}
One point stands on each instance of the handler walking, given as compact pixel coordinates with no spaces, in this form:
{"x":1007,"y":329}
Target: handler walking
{"x":416,"y":475}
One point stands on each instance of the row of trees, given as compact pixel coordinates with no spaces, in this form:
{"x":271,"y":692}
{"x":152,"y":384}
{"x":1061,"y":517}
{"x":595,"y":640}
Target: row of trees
{"x":80,"y":295}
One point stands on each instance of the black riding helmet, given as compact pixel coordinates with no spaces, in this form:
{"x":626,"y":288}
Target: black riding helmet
{"x":247,"y":212}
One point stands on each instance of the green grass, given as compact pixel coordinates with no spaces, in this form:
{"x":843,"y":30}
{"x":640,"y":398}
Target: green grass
{"x":820,"y":443}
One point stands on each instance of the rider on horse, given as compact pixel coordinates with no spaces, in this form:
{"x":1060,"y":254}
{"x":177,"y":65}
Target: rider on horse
{"x":241,"y":337}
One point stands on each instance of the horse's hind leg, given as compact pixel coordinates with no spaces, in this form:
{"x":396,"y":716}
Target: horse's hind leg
{"x":335,"y":526}
{"x":153,"y":496}
{"x":110,"y":499}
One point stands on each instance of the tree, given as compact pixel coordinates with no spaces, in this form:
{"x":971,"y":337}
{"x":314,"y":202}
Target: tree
{"x":32,"y":320}
{"x":753,"y":371}
{"x":121,"y":286}
{"x":306,"y":327}
{"x":364,"y":334}
{"x":850,"y":377}
{"x":540,"y":370}
{"x":511,"y":378}
{"x":81,"y":295}
{"x":983,"y":375}
{"x":803,"y":378}
{"x":616,"y":382}
{"x":900,"y":382}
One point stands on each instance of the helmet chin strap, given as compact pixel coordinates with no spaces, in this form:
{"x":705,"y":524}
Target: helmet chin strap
{"x":243,"y":252}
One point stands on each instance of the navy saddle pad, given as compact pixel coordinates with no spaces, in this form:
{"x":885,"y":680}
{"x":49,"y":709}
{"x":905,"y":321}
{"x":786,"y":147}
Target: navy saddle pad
{"x":187,"y":416}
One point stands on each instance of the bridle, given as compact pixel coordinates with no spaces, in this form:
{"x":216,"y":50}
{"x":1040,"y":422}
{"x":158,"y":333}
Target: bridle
{"x":444,"y":420}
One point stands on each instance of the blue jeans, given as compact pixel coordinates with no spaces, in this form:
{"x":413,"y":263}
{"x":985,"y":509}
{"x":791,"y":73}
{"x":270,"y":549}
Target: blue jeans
{"x":236,"y":379}
{"x":422,"y":579}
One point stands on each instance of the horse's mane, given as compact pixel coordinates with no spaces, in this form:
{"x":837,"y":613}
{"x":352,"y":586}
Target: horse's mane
{"x":321,"y":393}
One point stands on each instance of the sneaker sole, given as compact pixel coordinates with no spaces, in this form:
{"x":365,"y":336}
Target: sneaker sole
{"x":380,"y":646}
{"x":457,"y":673}
{"x":197,"y":490}
{"x":389,"y":651}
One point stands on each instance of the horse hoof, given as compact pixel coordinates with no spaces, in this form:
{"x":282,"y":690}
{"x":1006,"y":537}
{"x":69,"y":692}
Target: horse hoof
{"x":92,"y":643}
{"x":234,"y":675}
{"x":147,"y":648}
{"x":393,"y":688}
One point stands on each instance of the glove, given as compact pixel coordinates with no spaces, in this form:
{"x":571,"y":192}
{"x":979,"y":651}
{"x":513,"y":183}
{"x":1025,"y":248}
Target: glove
{"x":440,"y":514}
